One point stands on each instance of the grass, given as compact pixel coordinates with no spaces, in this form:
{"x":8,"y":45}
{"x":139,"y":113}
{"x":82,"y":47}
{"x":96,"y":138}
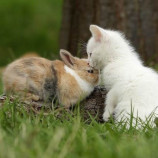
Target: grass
{"x":1,"y":88}
{"x":25,"y":134}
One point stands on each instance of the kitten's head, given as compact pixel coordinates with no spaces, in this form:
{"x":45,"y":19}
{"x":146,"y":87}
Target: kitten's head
{"x":104,"y":46}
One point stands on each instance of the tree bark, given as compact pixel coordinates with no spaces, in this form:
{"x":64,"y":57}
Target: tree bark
{"x":138,"y":19}
{"x":93,"y":106}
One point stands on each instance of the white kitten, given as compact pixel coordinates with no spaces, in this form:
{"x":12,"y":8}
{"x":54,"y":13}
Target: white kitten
{"x":130,"y":85}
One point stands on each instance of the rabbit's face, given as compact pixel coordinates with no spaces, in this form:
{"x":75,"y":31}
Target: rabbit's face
{"x":85,"y":71}
{"x":81,"y":67}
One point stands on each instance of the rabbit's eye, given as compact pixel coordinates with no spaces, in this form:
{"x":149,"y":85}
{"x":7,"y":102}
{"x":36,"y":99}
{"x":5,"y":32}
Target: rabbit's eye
{"x":90,"y":71}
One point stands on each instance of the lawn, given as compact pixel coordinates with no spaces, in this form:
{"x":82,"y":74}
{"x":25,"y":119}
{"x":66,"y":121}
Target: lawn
{"x":26,"y":134}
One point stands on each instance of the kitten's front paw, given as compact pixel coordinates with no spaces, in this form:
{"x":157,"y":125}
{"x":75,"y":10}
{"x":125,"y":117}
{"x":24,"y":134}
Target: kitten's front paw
{"x":106,"y":117}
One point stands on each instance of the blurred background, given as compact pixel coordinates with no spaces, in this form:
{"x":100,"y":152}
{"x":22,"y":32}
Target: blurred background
{"x":29,"y":25}
{"x":44,"y":26}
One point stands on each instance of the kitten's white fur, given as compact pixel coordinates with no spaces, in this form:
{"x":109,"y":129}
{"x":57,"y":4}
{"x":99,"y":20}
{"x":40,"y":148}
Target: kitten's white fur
{"x":84,"y":85}
{"x":128,"y":81}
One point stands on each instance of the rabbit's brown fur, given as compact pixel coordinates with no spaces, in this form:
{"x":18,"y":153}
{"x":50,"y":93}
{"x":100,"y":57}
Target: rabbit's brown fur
{"x":38,"y":78}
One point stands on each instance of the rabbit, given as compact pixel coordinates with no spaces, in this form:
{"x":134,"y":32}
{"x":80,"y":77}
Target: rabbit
{"x":26,"y":55}
{"x":30,"y":54}
{"x":37,"y":78}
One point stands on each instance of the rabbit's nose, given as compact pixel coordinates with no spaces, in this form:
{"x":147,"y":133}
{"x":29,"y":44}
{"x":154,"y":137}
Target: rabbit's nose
{"x":90,"y":71}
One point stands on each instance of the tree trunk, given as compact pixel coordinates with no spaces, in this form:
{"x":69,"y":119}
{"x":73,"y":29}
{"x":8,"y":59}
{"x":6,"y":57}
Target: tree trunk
{"x":138,"y":19}
{"x":93,"y":106}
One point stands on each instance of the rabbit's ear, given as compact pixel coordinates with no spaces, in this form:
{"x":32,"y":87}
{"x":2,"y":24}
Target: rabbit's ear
{"x":67,"y":58}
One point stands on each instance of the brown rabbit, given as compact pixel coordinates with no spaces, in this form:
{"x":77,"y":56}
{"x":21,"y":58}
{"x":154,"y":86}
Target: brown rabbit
{"x":26,"y":55}
{"x":38,"y":78}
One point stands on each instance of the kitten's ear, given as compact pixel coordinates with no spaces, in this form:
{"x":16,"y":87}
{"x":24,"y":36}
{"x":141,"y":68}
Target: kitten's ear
{"x":96,"y":33}
{"x":67,"y":58}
